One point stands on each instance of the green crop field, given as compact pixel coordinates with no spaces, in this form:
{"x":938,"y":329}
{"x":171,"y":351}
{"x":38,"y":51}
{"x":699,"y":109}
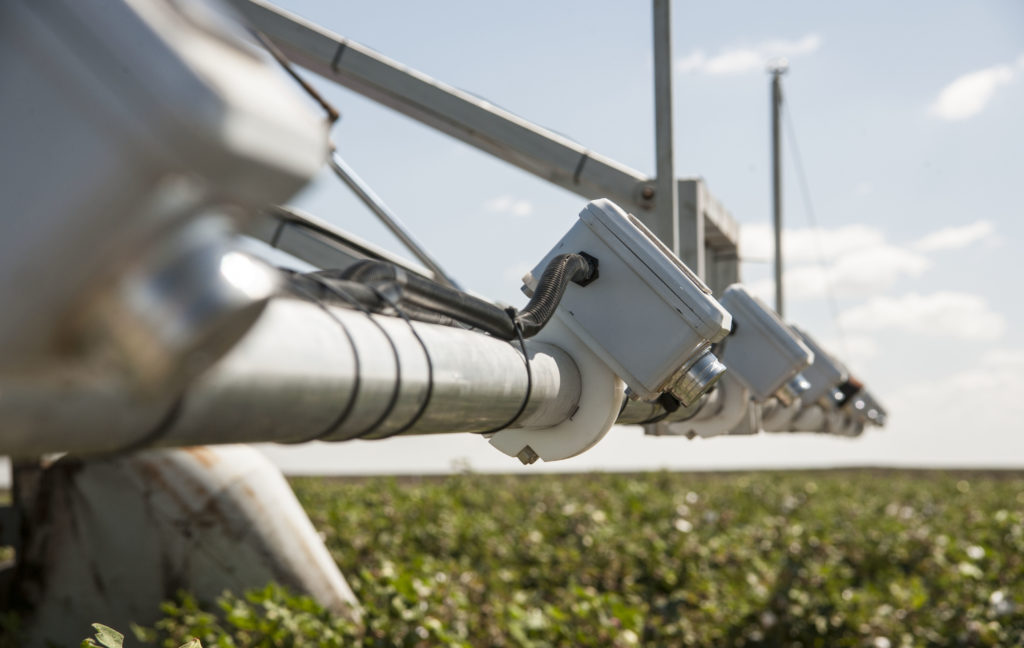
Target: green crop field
{"x":844,"y":558}
{"x":826,"y":558}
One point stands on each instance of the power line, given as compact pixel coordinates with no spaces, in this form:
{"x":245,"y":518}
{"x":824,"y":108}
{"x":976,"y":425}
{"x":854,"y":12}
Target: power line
{"x":805,"y":191}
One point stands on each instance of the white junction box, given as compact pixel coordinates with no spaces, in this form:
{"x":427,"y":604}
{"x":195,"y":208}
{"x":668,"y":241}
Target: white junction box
{"x":761,"y":350}
{"x":647,"y":316}
{"x":824,"y":374}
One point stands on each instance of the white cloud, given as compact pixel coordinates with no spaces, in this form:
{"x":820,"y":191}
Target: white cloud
{"x":509,"y":205}
{"x":801,"y":245}
{"x":941,"y":314}
{"x":854,"y":349}
{"x":854,"y":260}
{"x":968,"y":95}
{"x":984,"y":397}
{"x":747,"y":59}
{"x":954,"y":238}
{"x":859,"y":273}
{"x":1008,"y":358}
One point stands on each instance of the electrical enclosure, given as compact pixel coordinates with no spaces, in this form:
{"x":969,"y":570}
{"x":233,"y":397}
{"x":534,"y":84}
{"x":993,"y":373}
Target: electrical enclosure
{"x":761,"y":351}
{"x":824,"y":374}
{"x":646,"y":315}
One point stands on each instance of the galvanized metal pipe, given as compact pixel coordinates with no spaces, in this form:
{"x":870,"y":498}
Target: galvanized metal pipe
{"x":777,"y":71}
{"x":664,"y":222}
{"x":637,"y":412}
{"x":303,"y":372}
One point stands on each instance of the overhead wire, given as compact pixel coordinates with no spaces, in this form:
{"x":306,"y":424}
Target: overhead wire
{"x":805,"y":191}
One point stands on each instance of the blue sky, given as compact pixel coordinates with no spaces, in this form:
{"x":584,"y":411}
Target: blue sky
{"x":909,"y":121}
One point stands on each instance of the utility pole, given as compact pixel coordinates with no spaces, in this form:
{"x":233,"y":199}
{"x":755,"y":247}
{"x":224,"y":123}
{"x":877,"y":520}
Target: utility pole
{"x":665,"y":223}
{"x":777,"y":69}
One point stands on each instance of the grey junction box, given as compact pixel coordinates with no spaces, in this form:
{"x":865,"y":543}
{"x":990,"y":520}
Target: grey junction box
{"x":647,"y":316}
{"x":761,"y":351}
{"x":824,"y":374}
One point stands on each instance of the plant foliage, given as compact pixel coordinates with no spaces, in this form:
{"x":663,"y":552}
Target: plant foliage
{"x":853,"y":558}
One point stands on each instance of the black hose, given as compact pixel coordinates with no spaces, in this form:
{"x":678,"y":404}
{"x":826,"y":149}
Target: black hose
{"x":579,"y":268}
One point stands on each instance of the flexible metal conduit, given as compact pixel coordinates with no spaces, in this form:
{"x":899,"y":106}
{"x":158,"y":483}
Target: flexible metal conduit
{"x":305,"y":371}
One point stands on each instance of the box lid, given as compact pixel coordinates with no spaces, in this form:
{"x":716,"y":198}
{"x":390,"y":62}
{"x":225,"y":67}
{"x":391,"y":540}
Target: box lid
{"x":659,"y":268}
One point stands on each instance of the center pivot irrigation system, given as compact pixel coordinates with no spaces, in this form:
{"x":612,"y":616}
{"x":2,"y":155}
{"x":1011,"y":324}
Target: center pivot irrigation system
{"x":143,"y":139}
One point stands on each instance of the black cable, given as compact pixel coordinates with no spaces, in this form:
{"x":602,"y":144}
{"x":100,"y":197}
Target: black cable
{"x":371,"y":298}
{"x":423,"y":293}
{"x":378,"y":270}
{"x":159,"y":431}
{"x":430,"y":295}
{"x":394,"y":349}
{"x":511,"y":312}
{"x":670,"y":405}
{"x":356,"y":382}
{"x":430,"y":373}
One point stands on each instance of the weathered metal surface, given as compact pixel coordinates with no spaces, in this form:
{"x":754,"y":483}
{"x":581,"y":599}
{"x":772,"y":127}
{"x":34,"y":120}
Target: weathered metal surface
{"x":294,"y":377}
{"x":108,"y":540}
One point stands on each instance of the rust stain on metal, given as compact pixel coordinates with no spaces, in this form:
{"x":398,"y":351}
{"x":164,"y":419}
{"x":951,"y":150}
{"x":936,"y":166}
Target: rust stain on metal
{"x":202,"y":455}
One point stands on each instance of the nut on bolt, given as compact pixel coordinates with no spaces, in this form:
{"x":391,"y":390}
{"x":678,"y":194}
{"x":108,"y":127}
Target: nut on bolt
{"x":527,"y":456}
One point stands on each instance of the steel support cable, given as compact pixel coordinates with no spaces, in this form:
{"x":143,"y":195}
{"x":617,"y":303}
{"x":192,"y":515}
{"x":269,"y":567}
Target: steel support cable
{"x":345,"y":173}
{"x":372,"y":201}
{"x":332,"y":113}
{"x":812,"y":217}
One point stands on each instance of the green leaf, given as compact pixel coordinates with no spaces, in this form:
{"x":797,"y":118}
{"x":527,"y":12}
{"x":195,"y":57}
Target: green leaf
{"x":107,"y":636}
{"x":194,"y":643}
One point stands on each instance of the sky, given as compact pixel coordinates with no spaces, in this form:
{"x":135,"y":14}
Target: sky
{"x":909,"y":122}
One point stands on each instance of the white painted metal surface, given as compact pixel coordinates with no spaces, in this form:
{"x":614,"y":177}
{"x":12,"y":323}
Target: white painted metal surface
{"x":600,"y":400}
{"x":109,"y":540}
